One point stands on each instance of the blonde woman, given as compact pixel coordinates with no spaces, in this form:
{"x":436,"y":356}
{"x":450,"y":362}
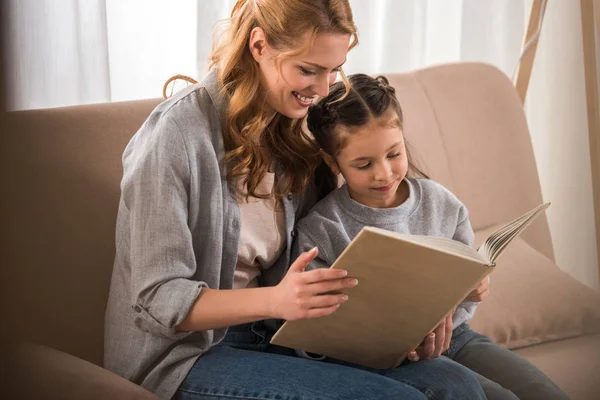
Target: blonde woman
{"x":214,"y":182}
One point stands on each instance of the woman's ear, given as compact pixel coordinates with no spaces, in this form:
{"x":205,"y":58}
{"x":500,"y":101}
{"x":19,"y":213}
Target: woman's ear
{"x":329,"y":161}
{"x":257,"y":44}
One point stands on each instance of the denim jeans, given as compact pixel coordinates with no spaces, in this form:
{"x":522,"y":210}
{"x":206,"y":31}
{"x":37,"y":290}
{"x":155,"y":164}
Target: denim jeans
{"x":503,"y":374}
{"x":245,"y":366}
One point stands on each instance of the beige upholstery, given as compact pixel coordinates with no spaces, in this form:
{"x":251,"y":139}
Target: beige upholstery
{"x":46,"y":373}
{"x":64,"y":180}
{"x":465,"y":122}
{"x":467,"y":127}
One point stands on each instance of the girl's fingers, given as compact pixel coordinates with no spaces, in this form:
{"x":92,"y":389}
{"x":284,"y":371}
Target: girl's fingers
{"x":448,"y":335}
{"x":440,"y":337}
{"x":413,"y":356}
{"x":428,"y":346}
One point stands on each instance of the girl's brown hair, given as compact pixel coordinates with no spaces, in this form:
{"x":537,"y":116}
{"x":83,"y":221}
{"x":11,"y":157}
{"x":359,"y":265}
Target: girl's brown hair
{"x":282,"y":141}
{"x":368,"y":98}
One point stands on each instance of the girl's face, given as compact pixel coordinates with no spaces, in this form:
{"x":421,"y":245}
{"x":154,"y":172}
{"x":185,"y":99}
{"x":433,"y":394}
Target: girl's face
{"x":373,"y":162}
{"x":303,"y":76}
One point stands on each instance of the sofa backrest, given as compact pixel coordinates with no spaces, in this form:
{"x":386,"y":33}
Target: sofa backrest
{"x":464,"y":121}
{"x":467,"y":126}
{"x":63,"y":197}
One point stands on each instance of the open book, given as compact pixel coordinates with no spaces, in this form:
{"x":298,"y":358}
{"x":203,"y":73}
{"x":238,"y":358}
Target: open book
{"x":407,"y":285}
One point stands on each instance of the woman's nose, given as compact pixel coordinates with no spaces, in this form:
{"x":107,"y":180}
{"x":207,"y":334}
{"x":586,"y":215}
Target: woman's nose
{"x":321,"y":87}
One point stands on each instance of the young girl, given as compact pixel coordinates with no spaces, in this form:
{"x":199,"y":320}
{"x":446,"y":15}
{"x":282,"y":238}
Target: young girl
{"x":360,"y":136}
{"x":213,"y":183}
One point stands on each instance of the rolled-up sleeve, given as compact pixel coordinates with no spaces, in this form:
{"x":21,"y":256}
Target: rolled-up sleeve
{"x":155,"y":193}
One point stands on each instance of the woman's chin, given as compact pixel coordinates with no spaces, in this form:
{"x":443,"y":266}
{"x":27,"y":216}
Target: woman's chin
{"x":295,"y":113}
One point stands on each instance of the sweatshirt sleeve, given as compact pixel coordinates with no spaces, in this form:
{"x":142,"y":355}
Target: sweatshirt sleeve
{"x":305,"y":241}
{"x":464,"y":234}
{"x":154,"y":206}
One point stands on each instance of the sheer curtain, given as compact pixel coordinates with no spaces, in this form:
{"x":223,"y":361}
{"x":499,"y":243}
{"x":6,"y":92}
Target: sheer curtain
{"x":57,"y":53}
{"x":88,"y":51}
{"x":408,"y":34}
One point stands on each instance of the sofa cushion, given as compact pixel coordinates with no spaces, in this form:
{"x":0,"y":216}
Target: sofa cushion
{"x":573,"y":364}
{"x":532,"y":301}
{"x":43,"y":372}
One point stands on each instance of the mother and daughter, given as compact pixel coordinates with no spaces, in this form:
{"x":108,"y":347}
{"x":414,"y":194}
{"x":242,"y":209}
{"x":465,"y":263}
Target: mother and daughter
{"x":221,"y":234}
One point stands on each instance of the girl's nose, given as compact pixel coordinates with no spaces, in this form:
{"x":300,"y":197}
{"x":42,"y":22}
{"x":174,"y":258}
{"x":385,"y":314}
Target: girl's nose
{"x":383,"y":172}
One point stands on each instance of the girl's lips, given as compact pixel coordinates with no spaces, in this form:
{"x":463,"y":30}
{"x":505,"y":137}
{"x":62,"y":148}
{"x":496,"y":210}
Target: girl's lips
{"x":384,"y":188}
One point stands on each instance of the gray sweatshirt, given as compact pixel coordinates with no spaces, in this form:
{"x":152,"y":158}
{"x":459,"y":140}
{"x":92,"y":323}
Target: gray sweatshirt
{"x":430,"y":209}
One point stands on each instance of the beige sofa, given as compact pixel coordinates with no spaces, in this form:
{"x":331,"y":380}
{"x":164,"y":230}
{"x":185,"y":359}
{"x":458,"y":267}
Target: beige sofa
{"x":467,"y":129}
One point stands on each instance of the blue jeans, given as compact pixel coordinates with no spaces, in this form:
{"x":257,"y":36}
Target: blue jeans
{"x":503,"y":374}
{"x":245,"y":366}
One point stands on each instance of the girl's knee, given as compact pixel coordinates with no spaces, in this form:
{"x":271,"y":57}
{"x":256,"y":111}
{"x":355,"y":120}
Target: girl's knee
{"x":457,"y":380}
{"x":494,"y":391}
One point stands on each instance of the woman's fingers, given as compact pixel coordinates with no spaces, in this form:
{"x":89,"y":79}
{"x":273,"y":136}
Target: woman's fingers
{"x":323,"y":274}
{"x":330,"y":286}
{"x":326,"y":300}
{"x":303,"y":260}
{"x":321,"y":312}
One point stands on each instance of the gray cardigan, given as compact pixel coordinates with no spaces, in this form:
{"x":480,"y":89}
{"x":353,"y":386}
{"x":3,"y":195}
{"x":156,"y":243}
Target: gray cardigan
{"x":178,"y":228}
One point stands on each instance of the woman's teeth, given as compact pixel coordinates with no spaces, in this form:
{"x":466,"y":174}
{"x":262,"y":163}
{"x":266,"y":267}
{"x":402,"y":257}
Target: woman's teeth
{"x":302,"y":98}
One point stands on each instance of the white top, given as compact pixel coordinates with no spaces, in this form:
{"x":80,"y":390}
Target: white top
{"x":262,"y":237}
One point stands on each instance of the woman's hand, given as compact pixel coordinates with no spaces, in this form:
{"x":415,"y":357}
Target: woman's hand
{"x":481,"y":291}
{"x":307,"y":294}
{"x":435,"y":343}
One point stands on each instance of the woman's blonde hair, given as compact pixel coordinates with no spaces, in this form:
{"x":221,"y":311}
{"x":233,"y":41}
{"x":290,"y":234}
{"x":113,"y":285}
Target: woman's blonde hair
{"x":284,"y":141}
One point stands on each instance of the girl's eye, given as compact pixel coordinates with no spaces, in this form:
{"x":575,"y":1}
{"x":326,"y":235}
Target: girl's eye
{"x":304,"y":71}
{"x":393,"y":155}
{"x":363,"y":166}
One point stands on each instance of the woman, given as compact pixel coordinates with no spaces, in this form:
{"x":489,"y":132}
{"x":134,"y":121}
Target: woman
{"x":213,"y":183}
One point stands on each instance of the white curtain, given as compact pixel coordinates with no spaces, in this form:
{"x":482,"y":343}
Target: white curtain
{"x":57,"y":53}
{"x":88,"y":51}
{"x":400,"y":35}
{"x":66,"y":52}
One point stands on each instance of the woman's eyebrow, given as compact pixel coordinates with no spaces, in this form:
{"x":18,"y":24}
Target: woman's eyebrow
{"x":320,"y":66}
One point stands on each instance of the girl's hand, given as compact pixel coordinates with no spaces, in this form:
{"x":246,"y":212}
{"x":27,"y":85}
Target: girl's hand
{"x":307,"y":294}
{"x":481,"y":291}
{"x":435,"y":343}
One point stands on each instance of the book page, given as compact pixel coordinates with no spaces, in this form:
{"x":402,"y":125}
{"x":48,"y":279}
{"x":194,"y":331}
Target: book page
{"x":447,"y":245}
{"x":495,"y":244}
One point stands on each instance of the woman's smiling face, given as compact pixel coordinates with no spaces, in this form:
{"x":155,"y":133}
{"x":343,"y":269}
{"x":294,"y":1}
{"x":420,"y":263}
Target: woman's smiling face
{"x":293,"y":82}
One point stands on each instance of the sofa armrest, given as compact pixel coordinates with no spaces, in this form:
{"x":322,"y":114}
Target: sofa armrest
{"x":43,"y":372}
